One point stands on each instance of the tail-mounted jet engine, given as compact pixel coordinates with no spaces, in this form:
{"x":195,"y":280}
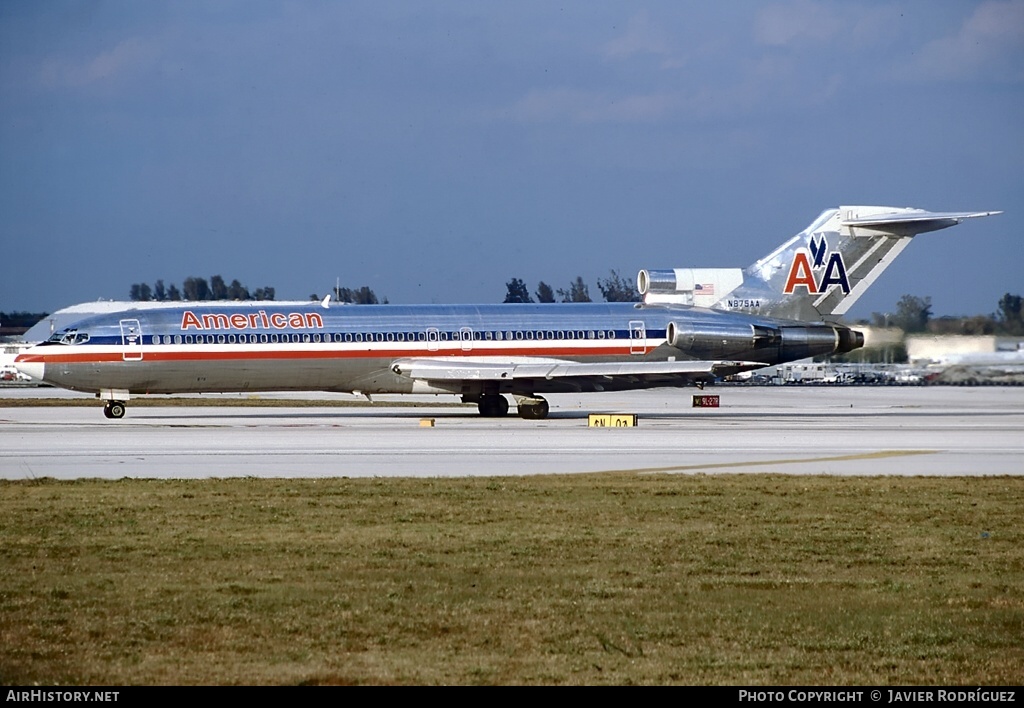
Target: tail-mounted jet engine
{"x":723,"y":340}
{"x":702,"y":287}
{"x":800,"y":342}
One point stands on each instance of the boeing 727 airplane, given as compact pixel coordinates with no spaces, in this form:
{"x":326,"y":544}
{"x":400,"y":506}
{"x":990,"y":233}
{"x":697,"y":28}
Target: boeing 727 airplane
{"x":695,"y":325}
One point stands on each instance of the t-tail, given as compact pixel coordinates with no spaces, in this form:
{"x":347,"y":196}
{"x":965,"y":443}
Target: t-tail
{"x":816,"y":275}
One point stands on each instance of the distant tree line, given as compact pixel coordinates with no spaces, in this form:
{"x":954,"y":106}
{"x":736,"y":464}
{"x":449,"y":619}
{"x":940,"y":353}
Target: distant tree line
{"x":914,"y":316}
{"x":21,"y":319}
{"x":197,"y":289}
{"x":357,"y":296}
{"x":353,"y":296}
{"x":614,"y":288}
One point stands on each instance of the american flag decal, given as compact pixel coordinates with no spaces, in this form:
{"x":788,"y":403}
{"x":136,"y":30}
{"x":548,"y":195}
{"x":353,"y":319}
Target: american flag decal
{"x":705,"y":288}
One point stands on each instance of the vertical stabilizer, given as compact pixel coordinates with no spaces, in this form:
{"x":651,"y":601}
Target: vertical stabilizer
{"x":819,"y":273}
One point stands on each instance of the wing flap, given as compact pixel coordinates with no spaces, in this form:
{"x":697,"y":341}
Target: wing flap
{"x":463,"y":369}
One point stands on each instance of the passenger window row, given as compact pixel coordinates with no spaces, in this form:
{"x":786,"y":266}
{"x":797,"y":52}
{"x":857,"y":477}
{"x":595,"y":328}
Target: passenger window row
{"x":427,"y":336}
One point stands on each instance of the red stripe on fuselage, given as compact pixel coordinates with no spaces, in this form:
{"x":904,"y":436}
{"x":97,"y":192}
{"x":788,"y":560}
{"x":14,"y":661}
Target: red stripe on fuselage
{"x":198,"y":355}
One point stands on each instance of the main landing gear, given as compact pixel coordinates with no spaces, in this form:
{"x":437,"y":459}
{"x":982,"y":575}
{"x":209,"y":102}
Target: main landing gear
{"x":492,"y":405}
{"x":114,"y":409}
{"x":532,"y":408}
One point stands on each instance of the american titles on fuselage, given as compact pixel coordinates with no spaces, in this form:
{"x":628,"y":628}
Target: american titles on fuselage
{"x":251,"y":320}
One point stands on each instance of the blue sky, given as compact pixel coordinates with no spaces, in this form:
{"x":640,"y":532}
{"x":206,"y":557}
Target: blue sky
{"x":434,"y":150}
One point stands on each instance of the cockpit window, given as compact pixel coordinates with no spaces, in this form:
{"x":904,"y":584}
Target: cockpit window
{"x":69,"y":336}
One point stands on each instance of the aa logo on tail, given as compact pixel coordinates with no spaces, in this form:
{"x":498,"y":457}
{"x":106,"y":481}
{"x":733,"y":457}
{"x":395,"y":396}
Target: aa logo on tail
{"x":802,"y":271}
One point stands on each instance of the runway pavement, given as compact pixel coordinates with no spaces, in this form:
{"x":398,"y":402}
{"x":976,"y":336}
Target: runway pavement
{"x":791,"y":430}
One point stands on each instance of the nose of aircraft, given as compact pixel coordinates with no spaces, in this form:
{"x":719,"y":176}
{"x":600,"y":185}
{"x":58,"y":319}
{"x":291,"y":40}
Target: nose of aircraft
{"x":34,"y":369}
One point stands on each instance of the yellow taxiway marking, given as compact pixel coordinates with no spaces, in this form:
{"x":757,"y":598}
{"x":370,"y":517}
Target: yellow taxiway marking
{"x":879,"y":455}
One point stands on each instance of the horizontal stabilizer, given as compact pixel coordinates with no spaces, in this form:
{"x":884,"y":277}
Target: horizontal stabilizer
{"x":909,"y":222}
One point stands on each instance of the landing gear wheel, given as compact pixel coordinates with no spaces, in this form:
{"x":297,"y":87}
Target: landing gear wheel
{"x":114,"y":409}
{"x":492,"y":406}
{"x":533,"y":409}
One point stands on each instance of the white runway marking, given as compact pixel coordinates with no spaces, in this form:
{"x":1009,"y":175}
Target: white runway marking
{"x":835,"y":430}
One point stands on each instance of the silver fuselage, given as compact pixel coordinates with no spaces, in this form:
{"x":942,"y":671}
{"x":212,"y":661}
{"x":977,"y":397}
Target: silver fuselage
{"x":307,"y":346}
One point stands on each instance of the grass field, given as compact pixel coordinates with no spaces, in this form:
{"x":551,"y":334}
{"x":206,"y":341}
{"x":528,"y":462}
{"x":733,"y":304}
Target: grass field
{"x":579,"y":579}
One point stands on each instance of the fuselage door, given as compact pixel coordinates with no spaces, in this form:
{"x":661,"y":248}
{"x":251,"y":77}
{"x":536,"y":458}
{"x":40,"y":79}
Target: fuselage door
{"x":433,"y":338}
{"x":637,"y":337}
{"x":131,"y":340}
{"x":466,"y":334}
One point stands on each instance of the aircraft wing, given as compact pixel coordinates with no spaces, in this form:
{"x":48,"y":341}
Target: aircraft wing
{"x":559,"y":374}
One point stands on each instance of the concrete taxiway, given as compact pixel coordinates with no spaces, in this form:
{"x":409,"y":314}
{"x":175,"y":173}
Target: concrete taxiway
{"x":790,"y":430}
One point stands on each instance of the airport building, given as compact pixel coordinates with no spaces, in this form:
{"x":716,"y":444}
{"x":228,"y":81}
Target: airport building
{"x":925,"y":349}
